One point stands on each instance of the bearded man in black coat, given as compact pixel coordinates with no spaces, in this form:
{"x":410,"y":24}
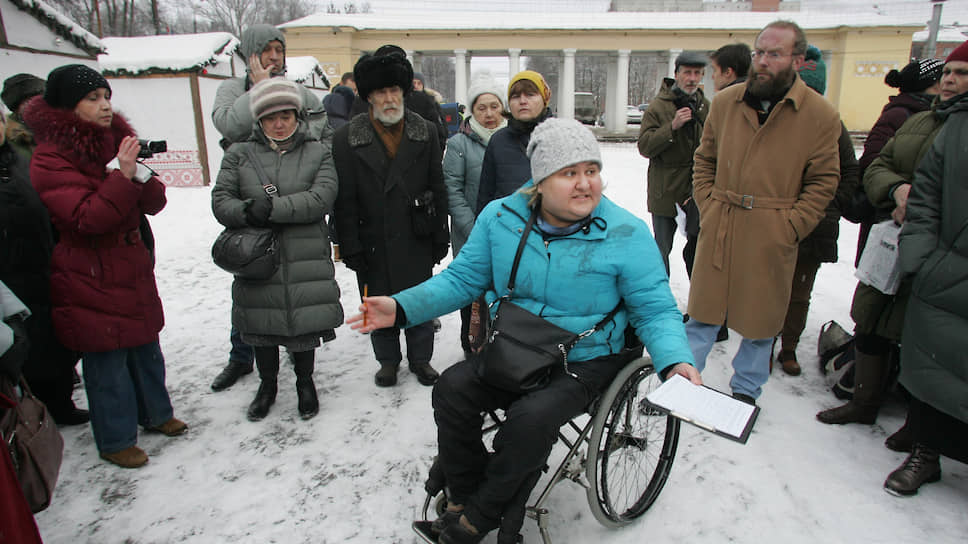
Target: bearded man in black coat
{"x":391,"y":212}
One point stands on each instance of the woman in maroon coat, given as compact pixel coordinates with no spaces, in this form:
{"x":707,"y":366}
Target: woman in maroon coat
{"x":104,"y":299}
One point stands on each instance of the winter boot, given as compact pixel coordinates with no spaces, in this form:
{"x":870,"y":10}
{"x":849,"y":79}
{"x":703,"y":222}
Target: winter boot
{"x":425,"y":373}
{"x":461,"y":532}
{"x":387,"y":375}
{"x":921,"y":467}
{"x":903,"y":439}
{"x":130,"y":457}
{"x":266,"y":396}
{"x":869,"y":374}
{"x":305,"y":388}
{"x":788,"y":362}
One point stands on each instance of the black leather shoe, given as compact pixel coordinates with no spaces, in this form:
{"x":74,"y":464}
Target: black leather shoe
{"x":425,"y":373}
{"x":902,"y":440}
{"x":921,"y":467}
{"x":74,"y":416}
{"x":745,"y":398}
{"x":387,"y":375}
{"x":229,"y":375}
{"x":264,"y":398}
{"x":308,"y":401}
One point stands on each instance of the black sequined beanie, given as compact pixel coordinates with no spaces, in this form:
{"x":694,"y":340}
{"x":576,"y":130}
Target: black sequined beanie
{"x":67,"y":85}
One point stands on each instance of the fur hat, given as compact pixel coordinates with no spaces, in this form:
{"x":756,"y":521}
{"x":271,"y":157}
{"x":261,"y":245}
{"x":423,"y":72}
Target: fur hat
{"x":813,"y":71}
{"x":960,"y":53}
{"x":68,"y":84}
{"x":917,"y":76}
{"x":256,"y":37}
{"x":387,"y":67}
{"x":20,"y":87}
{"x":557,"y":143}
{"x":691,"y":58}
{"x":533,"y":77}
{"x":274,"y":95}
{"x":483,"y":83}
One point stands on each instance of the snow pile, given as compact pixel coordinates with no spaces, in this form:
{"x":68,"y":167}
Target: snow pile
{"x":61,"y":24}
{"x":166,"y":53}
{"x":301,"y":69}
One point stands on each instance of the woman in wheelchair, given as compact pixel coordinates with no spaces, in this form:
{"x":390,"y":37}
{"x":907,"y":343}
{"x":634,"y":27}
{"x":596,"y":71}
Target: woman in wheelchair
{"x":584,"y":256}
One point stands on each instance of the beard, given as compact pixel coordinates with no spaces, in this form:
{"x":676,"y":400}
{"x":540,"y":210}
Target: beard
{"x":773,"y":87}
{"x":387,"y":116}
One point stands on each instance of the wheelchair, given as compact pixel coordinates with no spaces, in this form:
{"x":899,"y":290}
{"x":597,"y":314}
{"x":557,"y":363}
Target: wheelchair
{"x":621,"y":455}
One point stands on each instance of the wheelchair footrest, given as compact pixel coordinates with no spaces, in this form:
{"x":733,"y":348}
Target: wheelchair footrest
{"x":422,"y":528}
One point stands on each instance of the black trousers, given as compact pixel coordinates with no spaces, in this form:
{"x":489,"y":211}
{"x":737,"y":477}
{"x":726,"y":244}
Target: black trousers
{"x":485,"y":484}
{"x":420,"y":344}
{"x":938,"y":430}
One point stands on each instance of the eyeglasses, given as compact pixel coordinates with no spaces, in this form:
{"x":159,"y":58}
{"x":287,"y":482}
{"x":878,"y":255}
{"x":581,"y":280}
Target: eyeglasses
{"x":770,"y":55}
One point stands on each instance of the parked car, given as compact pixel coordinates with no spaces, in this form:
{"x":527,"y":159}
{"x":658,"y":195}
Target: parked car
{"x":586,"y":107}
{"x":633,"y":115}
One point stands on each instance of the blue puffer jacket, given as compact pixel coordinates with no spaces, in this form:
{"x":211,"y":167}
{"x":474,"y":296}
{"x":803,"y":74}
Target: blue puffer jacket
{"x":572,"y":281}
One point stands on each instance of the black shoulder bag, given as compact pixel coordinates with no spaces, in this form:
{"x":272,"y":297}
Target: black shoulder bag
{"x":250,"y":253}
{"x":521,"y":348}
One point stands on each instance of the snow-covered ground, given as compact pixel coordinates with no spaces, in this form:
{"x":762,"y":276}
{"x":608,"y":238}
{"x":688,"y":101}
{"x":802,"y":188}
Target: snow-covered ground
{"x":355,"y":472}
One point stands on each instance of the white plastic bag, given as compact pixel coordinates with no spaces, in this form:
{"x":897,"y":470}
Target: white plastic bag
{"x":878,"y":264}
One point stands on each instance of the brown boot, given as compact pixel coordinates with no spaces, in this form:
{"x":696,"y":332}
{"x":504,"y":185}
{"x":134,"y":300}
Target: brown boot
{"x":921,"y":467}
{"x":788,"y":362}
{"x":869,"y":373}
{"x":132,"y":457}
{"x":172,"y":427}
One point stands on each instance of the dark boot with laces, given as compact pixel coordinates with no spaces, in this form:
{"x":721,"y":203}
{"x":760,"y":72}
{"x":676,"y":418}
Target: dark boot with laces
{"x":921,"y":467}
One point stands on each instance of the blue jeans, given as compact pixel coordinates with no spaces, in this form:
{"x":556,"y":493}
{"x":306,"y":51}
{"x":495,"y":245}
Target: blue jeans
{"x":125,"y":387}
{"x":751,"y":364}
{"x":241,"y":352}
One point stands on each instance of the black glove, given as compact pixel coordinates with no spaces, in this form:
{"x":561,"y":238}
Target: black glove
{"x":440,"y":251}
{"x":258,"y":211}
{"x":12,"y":360}
{"x":356,"y":262}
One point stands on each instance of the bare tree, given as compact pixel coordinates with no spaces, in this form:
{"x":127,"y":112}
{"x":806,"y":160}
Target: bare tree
{"x":438,"y":72}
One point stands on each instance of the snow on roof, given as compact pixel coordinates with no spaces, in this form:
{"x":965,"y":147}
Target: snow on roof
{"x":61,"y":24}
{"x":167,"y":53}
{"x":301,"y":69}
{"x":596,"y":21}
{"x":944,"y":35}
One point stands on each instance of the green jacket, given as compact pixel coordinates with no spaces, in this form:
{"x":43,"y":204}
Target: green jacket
{"x":303,"y":296}
{"x":462,"y":175}
{"x":874,"y":312}
{"x":934,"y":249}
{"x":670,"y":151}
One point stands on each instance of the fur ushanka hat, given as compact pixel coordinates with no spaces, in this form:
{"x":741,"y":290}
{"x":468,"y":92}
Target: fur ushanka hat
{"x":387,"y":67}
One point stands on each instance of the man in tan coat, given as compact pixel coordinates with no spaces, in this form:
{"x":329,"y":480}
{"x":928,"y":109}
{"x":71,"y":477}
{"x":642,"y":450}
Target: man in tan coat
{"x":766,"y":168}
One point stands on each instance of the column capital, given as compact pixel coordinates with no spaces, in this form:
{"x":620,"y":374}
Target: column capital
{"x":624,"y":52}
{"x":514,"y":51}
{"x":460,"y":52}
{"x":569,"y":51}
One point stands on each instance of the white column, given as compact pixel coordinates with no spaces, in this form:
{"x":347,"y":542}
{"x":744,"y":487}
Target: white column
{"x":566,"y":100}
{"x":612,"y":101}
{"x":514,"y":62}
{"x":622,"y":88}
{"x":673,"y":55}
{"x":414,"y":59}
{"x":467,"y":81}
{"x":460,"y":76}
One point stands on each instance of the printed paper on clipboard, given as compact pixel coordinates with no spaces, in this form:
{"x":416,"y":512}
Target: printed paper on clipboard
{"x":705,"y":408}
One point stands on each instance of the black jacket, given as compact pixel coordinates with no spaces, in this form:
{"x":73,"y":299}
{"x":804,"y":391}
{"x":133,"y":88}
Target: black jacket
{"x":373,"y":211}
{"x":506,"y":165}
{"x":420,"y":103}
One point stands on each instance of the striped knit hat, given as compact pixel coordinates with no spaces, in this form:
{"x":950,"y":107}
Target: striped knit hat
{"x":274,"y":95}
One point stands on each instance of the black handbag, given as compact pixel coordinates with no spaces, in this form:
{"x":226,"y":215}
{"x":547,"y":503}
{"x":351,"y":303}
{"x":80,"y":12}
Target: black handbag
{"x":250,"y":253}
{"x":522,"y":349}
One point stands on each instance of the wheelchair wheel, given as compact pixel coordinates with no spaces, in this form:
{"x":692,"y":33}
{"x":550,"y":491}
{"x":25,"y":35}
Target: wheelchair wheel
{"x":631,"y":448}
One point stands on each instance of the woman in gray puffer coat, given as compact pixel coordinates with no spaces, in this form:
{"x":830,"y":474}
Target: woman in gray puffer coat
{"x":300,"y":302}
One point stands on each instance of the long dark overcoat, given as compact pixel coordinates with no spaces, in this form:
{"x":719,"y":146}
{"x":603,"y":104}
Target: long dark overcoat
{"x":373,"y":212}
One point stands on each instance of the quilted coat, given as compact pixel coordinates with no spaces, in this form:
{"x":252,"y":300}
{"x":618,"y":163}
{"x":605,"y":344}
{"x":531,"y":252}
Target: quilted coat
{"x":102,"y":282}
{"x":302,"y":297}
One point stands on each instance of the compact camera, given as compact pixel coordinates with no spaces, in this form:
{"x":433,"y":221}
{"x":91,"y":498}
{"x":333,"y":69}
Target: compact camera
{"x":150,"y":147}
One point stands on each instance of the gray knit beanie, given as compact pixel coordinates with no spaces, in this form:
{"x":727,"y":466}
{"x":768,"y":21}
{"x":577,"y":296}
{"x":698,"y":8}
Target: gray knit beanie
{"x":557,"y":143}
{"x":273,"y":95}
